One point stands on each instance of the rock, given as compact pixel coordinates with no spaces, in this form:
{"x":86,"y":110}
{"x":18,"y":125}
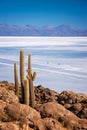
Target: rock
{"x":77,"y":107}
{"x":8,"y":126}
{"x":75,"y":102}
{"x":67,"y":97}
{"x":8,"y":96}
{"x":65,"y":117}
{"x":5,"y":83}
{"x":21,"y":111}
{"x":67,"y":106}
{"x":9,"y":86}
{"x":25,"y":115}
{"x":52,"y":124}
{"x":38,"y":125}
{"x":53,"y":110}
{"x":43,"y":95}
{"x":3,"y":116}
{"x":83,"y":113}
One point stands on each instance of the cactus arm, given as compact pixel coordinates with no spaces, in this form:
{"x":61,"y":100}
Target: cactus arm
{"x":34,"y":76}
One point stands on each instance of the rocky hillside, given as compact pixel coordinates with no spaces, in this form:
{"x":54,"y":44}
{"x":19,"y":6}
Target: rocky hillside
{"x":53,"y":111}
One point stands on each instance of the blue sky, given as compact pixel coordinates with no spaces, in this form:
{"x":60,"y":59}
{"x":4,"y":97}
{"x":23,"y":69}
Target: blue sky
{"x":44,"y":12}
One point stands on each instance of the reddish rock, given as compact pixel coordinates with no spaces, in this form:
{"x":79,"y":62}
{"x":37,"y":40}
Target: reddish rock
{"x":75,"y":102}
{"x":50,"y":115}
{"x":8,"y":96}
{"x":3,"y":116}
{"x":25,"y":115}
{"x":65,"y":117}
{"x":8,"y":126}
{"x":21,"y":111}
{"x":43,"y":95}
{"x":52,"y":124}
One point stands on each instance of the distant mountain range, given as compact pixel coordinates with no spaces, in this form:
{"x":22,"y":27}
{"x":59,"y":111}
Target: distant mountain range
{"x":29,"y":30}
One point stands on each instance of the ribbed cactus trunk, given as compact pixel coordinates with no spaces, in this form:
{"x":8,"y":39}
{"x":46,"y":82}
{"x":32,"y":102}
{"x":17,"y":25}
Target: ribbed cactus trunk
{"x":16,"y":79}
{"x":31,"y":86}
{"x":26,"y":92}
{"x":22,"y":75}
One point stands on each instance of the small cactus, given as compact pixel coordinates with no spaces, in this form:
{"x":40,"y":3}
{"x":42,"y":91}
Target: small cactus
{"x":22,"y":75}
{"x":16,"y":79}
{"x":26,"y":92}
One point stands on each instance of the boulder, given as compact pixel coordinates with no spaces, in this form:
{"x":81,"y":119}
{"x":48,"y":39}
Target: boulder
{"x":8,"y":126}
{"x":21,"y":111}
{"x":65,"y":117}
{"x":8,"y":96}
{"x":43,"y":95}
{"x":52,"y":124}
{"x":3,"y":116}
{"x":25,"y":115}
{"x":75,"y":102}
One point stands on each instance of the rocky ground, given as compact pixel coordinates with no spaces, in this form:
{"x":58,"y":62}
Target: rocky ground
{"x":53,"y":111}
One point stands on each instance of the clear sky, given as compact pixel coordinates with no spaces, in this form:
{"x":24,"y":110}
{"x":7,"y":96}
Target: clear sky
{"x":44,"y":12}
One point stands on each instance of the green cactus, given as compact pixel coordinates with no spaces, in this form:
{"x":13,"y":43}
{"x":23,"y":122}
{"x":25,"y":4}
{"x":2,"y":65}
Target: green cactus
{"x":26,"y":92}
{"x":16,"y":79}
{"x":31,"y":79}
{"x":22,"y":75}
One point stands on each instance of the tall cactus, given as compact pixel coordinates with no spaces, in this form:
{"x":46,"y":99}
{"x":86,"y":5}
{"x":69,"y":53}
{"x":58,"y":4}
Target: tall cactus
{"x":22,"y":75}
{"x":16,"y":79}
{"x":31,"y":79}
{"x":26,"y":92}
{"x":27,"y":86}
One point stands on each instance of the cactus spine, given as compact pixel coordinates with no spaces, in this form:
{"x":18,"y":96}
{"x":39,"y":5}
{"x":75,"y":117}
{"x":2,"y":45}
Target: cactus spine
{"x":16,"y":79}
{"x":22,"y":72}
{"x":26,"y":92}
{"x":31,"y":79}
